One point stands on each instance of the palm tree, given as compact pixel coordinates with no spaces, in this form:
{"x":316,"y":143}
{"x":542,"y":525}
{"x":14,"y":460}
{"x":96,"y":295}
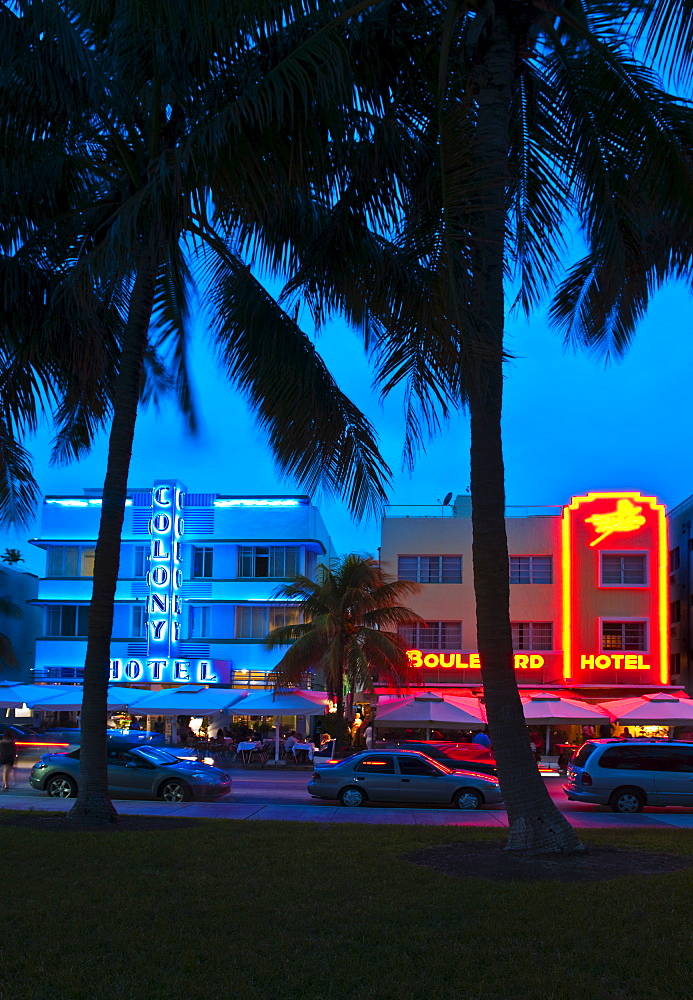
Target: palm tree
{"x":500,"y":126}
{"x":8,"y":609}
{"x":349,"y":630}
{"x":166,"y":131}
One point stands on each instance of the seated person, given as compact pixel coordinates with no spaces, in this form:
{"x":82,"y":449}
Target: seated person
{"x":290,"y":741}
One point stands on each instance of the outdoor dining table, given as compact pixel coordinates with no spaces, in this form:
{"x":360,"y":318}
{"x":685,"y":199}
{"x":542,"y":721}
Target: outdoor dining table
{"x":246,"y":749}
{"x":303,"y":748}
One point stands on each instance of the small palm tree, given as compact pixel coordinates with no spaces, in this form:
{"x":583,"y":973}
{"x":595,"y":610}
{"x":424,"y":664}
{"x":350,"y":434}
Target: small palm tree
{"x":351,"y":615}
{"x":11,"y":557}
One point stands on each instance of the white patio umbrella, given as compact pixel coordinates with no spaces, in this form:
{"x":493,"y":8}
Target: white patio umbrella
{"x":188,"y":699}
{"x":70,"y":698}
{"x":661,"y":709}
{"x":16,"y":695}
{"x":432,"y":711}
{"x":549,"y":709}
{"x":298,"y":702}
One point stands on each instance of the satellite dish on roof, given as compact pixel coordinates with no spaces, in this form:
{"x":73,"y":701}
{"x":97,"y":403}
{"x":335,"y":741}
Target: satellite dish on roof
{"x":445,"y":503}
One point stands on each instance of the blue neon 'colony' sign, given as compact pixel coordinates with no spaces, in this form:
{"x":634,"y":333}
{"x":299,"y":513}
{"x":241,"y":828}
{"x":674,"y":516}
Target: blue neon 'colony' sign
{"x":164,"y":607}
{"x":165,"y":577}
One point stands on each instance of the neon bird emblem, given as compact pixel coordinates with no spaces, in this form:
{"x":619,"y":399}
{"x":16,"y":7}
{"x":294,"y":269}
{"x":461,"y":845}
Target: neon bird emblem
{"x":626,"y":517}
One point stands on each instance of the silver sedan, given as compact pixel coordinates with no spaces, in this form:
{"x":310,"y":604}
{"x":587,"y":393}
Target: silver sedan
{"x":134,"y":770}
{"x":402,"y":776}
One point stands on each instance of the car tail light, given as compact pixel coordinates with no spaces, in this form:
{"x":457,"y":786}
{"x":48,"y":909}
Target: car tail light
{"x":586,"y":778}
{"x":316,"y":776}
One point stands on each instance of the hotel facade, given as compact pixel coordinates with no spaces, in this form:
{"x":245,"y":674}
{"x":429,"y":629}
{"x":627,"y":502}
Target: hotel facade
{"x":589,"y":595}
{"x":195,"y":597}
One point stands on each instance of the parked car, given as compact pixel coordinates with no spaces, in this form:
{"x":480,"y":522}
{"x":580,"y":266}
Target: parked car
{"x":133,"y":769}
{"x":462,"y":756}
{"x":630,"y":774}
{"x":401,"y":776}
{"x":74,"y":736}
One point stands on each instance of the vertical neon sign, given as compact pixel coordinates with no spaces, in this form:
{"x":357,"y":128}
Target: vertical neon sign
{"x":165,"y":578}
{"x":617,"y":523}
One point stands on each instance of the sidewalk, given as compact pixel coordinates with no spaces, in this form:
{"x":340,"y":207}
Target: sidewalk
{"x":326,"y":812}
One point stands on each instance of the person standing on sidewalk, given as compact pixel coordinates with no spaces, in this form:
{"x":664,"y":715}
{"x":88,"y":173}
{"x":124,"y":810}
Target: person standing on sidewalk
{"x":8,"y":755}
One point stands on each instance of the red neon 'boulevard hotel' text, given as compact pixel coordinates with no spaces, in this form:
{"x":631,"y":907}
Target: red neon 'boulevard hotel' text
{"x":589,"y":593}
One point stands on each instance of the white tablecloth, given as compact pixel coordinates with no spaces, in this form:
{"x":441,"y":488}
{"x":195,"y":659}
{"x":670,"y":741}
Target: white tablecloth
{"x":310,"y":747}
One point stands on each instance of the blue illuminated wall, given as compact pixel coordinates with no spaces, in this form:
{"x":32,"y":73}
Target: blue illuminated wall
{"x":196,"y":590}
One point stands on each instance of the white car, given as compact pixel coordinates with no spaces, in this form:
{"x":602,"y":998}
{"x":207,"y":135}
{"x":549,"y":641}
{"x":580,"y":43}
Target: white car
{"x":402,"y":776}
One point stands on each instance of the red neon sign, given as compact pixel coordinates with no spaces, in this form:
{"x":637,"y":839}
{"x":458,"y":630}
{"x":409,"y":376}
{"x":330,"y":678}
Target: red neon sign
{"x":620,"y":524}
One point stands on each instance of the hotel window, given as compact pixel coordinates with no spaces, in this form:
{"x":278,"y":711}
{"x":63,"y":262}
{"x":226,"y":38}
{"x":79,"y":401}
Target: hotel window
{"x":432,"y":635}
{"x":430,"y":569}
{"x":624,"y":635}
{"x":258,"y":561}
{"x":531,"y":569}
{"x":203,"y":562}
{"x":674,"y":612}
{"x":621,"y":570}
{"x":255,"y":621}
{"x":140,"y":561}
{"x":675,"y":663}
{"x":283,"y":614}
{"x":138,"y":623}
{"x":67,"y":620}
{"x":199,"y":621}
{"x":532,"y":635}
{"x":674,"y":559}
{"x":70,"y":560}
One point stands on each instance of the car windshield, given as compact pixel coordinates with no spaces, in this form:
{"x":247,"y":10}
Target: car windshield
{"x":156,"y":755}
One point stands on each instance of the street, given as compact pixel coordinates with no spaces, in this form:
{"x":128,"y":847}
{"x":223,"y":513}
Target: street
{"x":282,"y":795}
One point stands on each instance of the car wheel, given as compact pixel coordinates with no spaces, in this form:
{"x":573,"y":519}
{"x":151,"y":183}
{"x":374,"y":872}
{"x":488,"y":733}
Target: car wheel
{"x":352,"y":797}
{"x":627,"y":800}
{"x":60,"y":786}
{"x":467,"y":798}
{"x":174,"y":791}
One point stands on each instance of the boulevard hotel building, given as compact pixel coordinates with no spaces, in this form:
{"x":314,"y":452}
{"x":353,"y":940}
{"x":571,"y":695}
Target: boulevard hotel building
{"x":589,"y":595}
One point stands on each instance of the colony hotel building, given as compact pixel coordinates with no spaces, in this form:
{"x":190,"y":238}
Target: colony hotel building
{"x":196,"y":591}
{"x":589,"y":595}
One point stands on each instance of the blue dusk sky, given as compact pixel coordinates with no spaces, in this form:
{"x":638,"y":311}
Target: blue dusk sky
{"x":571,"y":425}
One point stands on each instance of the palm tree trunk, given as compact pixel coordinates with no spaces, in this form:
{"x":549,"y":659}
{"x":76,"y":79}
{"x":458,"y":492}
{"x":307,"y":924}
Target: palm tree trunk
{"x":93,"y":804}
{"x":536,"y":825}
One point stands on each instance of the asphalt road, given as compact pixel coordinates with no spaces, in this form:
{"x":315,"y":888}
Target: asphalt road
{"x":289,"y":788}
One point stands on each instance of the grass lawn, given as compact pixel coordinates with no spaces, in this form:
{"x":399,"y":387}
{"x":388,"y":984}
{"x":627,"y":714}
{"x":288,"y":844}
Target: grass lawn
{"x":299,"y":911}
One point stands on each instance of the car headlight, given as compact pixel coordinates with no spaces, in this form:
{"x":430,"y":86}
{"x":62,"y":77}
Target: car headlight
{"x":203,"y":776}
{"x":39,"y":765}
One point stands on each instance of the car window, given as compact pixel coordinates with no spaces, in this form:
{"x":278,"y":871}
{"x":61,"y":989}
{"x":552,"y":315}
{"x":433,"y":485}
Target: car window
{"x":584,"y":753}
{"x":382,"y":764}
{"x":671,"y":758}
{"x":116,"y":756}
{"x":414,"y":765}
{"x":136,"y":758}
{"x":627,"y":758}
